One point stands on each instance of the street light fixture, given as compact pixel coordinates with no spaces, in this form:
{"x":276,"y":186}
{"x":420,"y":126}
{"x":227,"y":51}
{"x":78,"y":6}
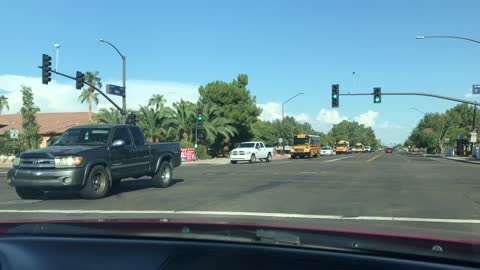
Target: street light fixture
{"x":124,"y":79}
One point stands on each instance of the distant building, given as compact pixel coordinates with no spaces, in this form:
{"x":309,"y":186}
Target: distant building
{"x":51,"y":124}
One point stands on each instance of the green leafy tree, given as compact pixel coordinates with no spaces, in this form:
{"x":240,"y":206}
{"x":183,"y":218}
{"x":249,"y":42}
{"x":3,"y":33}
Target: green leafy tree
{"x":3,"y":103}
{"x":30,"y":138}
{"x":235,"y":103}
{"x":89,"y":95}
{"x":353,"y":132}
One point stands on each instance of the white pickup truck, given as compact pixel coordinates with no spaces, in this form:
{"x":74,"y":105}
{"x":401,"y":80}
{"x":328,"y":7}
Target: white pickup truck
{"x":251,"y":152}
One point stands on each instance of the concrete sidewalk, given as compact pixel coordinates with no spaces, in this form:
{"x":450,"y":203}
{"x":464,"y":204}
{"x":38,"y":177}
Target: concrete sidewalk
{"x":454,"y":158}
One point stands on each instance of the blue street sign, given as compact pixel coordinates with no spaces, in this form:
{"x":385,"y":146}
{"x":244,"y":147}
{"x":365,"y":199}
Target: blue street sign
{"x":115,"y":90}
{"x":476,"y":89}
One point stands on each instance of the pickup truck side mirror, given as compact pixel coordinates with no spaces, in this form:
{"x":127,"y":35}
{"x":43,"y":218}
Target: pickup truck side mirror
{"x":118,"y":143}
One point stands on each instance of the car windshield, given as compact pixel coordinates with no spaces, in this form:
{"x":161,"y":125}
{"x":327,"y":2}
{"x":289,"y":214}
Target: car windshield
{"x":84,"y":136}
{"x":246,"y":145}
{"x":336,"y":115}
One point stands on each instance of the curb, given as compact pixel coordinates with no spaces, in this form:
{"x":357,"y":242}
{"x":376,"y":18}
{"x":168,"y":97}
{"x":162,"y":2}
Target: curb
{"x":462,"y":160}
{"x":448,"y":158}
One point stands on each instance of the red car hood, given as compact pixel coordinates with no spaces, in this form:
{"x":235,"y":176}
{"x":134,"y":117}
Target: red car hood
{"x":147,"y":225}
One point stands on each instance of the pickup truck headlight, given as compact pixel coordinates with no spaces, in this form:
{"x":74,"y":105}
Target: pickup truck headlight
{"x":16,"y":161}
{"x":65,"y":162}
{"x":247,"y":152}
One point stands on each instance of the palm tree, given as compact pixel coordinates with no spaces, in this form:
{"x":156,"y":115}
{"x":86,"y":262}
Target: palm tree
{"x":108,"y":116}
{"x":88,"y":95}
{"x":184,"y":118}
{"x":158,"y":101}
{"x":3,"y":103}
{"x":215,"y":125}
{"x":156,"y":124}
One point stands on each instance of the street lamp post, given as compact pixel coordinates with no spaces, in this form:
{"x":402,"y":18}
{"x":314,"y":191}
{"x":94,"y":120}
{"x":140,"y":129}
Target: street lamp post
{"x":283,"y":113}
{"x":463,"y":38}
{"x":124,"y":80}
{"x":56,"y":46}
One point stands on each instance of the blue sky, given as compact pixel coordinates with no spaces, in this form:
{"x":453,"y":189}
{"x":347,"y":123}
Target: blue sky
{"x":284,"y":46}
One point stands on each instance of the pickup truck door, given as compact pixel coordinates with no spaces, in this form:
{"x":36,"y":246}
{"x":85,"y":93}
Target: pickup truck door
{"x":121,"y":156}
{"x":142,"y":158}
{"x":264,"y":150}
{"x":260,"y":151}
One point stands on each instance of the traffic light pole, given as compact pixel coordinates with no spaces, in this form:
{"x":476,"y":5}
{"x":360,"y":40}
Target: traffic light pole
{"x":95,"y":88}
{"x":416,"y":94}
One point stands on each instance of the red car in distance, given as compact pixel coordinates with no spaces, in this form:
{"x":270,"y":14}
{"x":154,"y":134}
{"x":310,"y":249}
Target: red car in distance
{"x":389,"y":150}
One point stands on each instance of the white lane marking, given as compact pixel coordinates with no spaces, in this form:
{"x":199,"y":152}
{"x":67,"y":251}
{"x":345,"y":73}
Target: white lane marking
{"x":332,"y":160}
{"x":251,"y":214}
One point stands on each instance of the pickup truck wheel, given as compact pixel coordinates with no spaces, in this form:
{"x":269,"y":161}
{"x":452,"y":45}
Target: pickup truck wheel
{"x":233,"y":161}
{"x":163,"y":178}
{"x":28,"y":193}
{"x":98,"y":184}
{"x":252,"y":158}
{"x":269,"y":158}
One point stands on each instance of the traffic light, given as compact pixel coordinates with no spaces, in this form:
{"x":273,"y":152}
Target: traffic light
{"x":335,"y":95}
{"x":46,"y":68}
{"x":199,"y":118}
{"x":80,"y":80}
{"x":132,"y":119}
{"x":377,"y":95}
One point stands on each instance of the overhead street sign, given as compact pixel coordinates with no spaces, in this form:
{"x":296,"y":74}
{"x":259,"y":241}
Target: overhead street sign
{"x":476,"y":89}
{"x":115,"y":90}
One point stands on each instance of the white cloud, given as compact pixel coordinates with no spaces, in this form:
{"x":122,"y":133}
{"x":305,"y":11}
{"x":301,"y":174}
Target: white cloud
{"x":63,"y":97}
{"x":468,"y":94}
{"x":302,"y":117}
{"x":389,"y":125}
{"x":270,"y":111}
{"x":330,"y":117}
{"x":367,"y":119}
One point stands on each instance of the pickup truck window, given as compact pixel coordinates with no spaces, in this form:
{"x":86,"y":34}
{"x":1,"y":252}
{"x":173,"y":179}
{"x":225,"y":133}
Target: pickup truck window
{"x":138,"y":137}
{"x":122,"y":133}
{"x":261,"y":145}
{"x":246,"y":145}
{"x":84,"y":136}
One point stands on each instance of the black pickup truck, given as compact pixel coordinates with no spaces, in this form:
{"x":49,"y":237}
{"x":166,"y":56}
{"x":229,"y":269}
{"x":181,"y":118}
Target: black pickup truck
{"x":93,"y":159}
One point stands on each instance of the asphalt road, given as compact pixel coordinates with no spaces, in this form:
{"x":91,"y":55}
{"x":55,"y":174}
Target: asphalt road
{"x":391,"y":193}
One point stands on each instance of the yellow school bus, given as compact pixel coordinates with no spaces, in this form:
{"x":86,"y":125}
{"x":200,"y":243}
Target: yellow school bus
{"x":342,"y":147}
{"x":359,"y":148}
{"x":305,"y":146}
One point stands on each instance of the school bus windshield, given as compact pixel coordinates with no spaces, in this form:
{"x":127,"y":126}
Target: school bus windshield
{"x":301,"y":141}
